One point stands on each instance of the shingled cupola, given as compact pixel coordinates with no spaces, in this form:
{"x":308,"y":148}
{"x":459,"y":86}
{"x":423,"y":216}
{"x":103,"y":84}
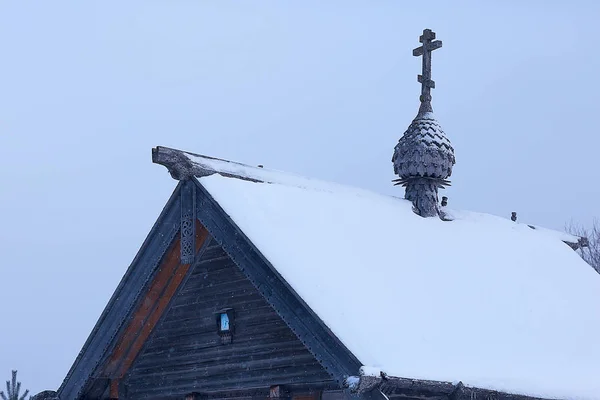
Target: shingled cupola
{"x":423,"y":157}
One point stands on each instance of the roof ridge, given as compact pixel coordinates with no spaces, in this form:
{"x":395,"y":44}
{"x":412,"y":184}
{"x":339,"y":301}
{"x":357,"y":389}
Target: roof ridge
{"x":185,"y":165}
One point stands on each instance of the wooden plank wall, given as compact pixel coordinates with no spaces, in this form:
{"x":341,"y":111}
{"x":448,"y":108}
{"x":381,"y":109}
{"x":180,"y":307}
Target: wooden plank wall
{"x":184,"y":353}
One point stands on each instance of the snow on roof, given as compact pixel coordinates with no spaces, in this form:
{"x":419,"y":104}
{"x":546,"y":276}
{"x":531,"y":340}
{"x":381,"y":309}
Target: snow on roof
{"x":565,"y":237}
{"x":480,"y":299}
{"x":211,"y":165}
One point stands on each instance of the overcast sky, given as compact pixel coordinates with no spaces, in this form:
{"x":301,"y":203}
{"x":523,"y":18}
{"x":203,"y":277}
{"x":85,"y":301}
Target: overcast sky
{"x":324,"y":89}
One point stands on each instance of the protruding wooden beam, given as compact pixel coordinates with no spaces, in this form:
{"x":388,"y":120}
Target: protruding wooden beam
{"x":181,"y":167}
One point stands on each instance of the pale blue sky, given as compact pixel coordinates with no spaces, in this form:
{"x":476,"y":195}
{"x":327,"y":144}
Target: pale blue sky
{"x":324,"y":89}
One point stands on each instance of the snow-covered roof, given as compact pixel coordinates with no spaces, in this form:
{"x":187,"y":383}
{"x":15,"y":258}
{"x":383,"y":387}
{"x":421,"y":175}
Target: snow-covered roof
{"x":480,"y":299}
{"x":564,"y":236}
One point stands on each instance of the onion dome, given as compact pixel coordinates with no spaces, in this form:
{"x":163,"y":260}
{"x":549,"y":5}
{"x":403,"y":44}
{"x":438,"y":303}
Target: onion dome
{"x":423,"y":157}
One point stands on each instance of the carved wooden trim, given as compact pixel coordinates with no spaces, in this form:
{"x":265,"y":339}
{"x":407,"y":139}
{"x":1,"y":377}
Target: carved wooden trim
{"x":188,"y":223}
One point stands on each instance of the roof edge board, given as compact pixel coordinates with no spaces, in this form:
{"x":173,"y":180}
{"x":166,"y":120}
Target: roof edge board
{"x":101,"y":339}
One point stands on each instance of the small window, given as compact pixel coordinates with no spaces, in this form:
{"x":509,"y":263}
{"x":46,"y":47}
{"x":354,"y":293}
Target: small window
{"x":225,"y":324}
{"x":224,"y":327}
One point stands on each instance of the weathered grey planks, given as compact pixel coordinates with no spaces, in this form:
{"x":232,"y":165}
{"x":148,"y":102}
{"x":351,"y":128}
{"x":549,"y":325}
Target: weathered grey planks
{"x":184,"y":354}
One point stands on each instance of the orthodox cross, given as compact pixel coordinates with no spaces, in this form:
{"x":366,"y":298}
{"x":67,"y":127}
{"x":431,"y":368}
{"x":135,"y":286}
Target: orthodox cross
{"x":429,"y":44}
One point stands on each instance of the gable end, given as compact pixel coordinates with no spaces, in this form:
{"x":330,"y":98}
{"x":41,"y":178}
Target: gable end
{"x":308,"y":327}
{"x":186,"y":354}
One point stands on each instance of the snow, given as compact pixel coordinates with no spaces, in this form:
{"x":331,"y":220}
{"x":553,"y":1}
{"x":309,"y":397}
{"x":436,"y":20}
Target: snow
{"x":563,"y":236}
{"x":267,"y":175}
{"x":352,"y":381}
{"x":479,"y":299}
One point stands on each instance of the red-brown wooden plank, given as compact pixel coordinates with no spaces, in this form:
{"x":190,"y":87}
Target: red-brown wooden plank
{"x":168,"y":265}
{"x":161,"y":305}
{"x":164,"y":285}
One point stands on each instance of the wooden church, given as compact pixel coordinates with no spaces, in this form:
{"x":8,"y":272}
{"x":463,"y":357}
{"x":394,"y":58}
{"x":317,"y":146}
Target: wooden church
{"x":255,"y":284}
